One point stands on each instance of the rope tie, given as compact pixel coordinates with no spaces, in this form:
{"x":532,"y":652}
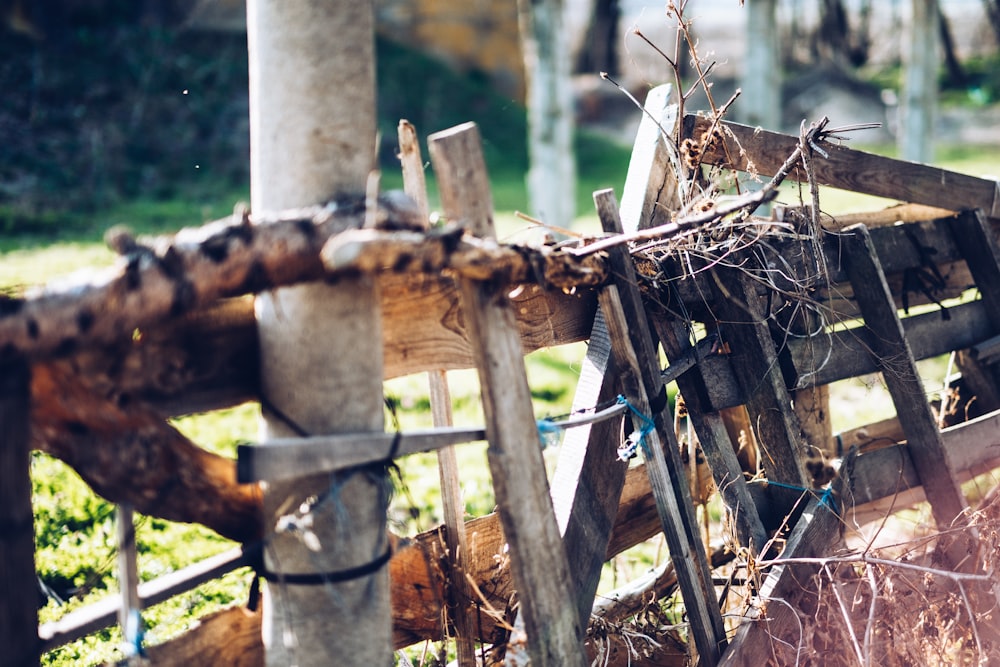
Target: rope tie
{"x":637,"y":438}
{"x":826,"y":498}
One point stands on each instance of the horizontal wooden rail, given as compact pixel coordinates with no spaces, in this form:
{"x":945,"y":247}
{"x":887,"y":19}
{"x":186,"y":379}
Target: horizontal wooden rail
{"x":845,"y":168}
{"x":104,"y":613}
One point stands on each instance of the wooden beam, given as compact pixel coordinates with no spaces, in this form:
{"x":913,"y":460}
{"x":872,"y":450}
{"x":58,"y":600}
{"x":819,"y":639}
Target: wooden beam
{"x":845,"y":168}
{"x":928,"y":334}
{"x":635,"y":354}
{"x":127,"y":452}
{"x":19,"y":592}
{"x":743,"y":325}
{"x":892,"y":352}
{"x":714,"y":437}
{"x":770,"y":634}
{"x":538,"y":558}
{"x":587,"y":482}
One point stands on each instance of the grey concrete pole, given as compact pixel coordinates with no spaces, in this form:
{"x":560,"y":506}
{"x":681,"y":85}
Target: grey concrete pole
{"x":920,"y":88}
{"x":760,"y":103}
{"x":312,"y":118}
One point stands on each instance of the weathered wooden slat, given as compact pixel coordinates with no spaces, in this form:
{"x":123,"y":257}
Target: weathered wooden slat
{"x":743,"y":325}
{"x":847,"y":169}
{"x":538,"y":559}
{"x":651,"y":181}
{"x":771,"y":634}
{"x":977,"y":244}
{"x":715,"y":440}
{"x":18,"y":584}
{"x":452,"y":503}
{"x":635,"y":354}
{"x":886,"y":479}
{"x":890,"y":348}
{"x":290,"y":457}
{"x":928,"y":334}
{"x":103,"y":613}
{"x":587,"y":481}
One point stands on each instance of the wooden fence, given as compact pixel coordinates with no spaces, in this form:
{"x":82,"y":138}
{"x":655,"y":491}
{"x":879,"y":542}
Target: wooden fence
{"x":170,"y":331}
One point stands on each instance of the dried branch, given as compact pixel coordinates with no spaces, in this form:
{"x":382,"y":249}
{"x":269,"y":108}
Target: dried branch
{"x":449,"y":250}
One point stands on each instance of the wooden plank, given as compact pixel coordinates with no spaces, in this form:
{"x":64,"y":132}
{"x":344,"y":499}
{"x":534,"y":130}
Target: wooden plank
{"x":538,"y":558}
{"x":714,"y":437}
{"x":928,"y":335}
{"x":743,"y":324}
{"x":452,"y":503}
{"x":635,"y":354}
{"x":651,"y":182}
{"x":886,"y":479}
{"x":771,"y":634}
{"x":84,"y":621}
{"x":326,"y":453}
{"x":977,"y":243}
{"x":587,"y":483}
{"x":18,"y":583}
{"x":847,"y":169}
{"x":892,"y":352}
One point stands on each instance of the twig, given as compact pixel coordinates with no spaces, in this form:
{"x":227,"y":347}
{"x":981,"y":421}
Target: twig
{"x":743,"y":204}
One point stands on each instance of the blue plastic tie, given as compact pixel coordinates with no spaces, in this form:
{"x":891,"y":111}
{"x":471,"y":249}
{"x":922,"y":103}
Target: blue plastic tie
{"x":825,"y":499}
{"x":637,"y":437}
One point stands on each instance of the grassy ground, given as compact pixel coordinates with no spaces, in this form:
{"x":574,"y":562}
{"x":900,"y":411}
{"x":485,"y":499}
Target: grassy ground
{"x":75,"y":530}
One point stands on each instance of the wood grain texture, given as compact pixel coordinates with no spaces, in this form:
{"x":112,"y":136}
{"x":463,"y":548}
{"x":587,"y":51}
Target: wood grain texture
{"x":538,"y":558}
{"x":890,"y":348}
{"x":743,"y":325}
{"x":635,"y":355}
{"x":588,"y":479}
{"x":846,"y":168}
{"x":650,"y":191}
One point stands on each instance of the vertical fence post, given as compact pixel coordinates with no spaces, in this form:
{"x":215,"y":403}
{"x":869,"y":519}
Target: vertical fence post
{"x":538,"y":558}
{"x":312,"y":137}
{"x":129,"y":614}
{"x":18,"y":582}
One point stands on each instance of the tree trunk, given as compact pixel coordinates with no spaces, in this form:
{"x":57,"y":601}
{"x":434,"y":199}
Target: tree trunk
{"x":312,"y":117}
{"x":920,"y":88}
{"x":761,"y":99}
{"x":547,"y":60}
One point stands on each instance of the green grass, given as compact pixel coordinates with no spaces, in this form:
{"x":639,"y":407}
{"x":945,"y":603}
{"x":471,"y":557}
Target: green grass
{"x":75,"y":530}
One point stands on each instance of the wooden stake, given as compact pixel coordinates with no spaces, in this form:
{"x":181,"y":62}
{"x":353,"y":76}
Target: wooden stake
{"x":634,"y":352}
{"x":453,"y":505}
{"x":18,"y":582}
{"x":537,"y":554}
{"x":892,"y":351}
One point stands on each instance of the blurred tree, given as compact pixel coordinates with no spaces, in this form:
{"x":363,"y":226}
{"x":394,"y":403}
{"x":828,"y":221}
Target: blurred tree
{"x":761,"y":81}
{"x":835,"y":42}
{"x":599,"y":52}
{"x":547,"y":60}
{"x":920,"y":87}
{"x":992,"y":8}
{"x":956,"y":73}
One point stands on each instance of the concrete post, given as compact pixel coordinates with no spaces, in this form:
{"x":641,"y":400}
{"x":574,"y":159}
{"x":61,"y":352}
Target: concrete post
{"x":312,"y":118}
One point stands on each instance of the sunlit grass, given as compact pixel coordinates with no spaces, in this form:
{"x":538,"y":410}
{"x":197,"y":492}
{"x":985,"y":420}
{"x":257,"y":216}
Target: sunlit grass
{"x":83,"y":552}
